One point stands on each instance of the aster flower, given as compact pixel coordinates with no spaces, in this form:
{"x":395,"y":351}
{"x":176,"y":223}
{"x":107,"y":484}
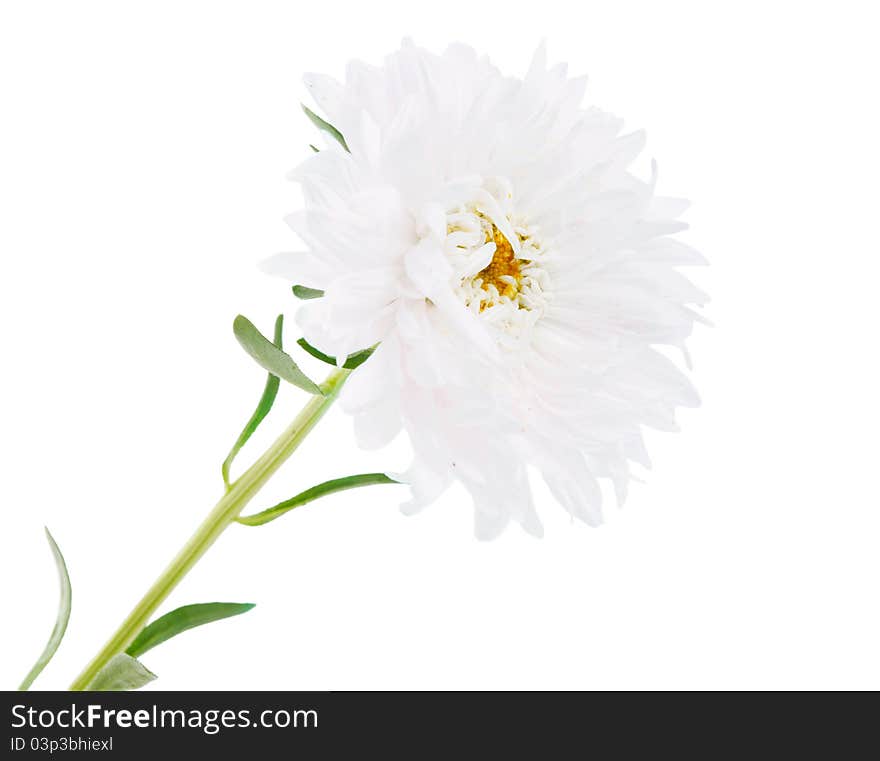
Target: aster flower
{"x":486,"y":233}
{"x":489,"y":277}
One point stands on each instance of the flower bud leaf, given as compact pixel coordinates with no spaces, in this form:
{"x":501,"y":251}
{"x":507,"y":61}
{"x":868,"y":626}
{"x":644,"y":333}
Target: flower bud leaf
{"x":270,"y":357}
{"x":270,"y":391}
{"x":316,"y":492}
{"x":325,"y":126}
{"x":304,"y":292}
{"x":121,"y":672}
{"x":352,"y":361}
{"x":61,"y":618}
{"x":181,"y":619}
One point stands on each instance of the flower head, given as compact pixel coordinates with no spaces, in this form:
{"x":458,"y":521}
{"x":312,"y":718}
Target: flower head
{"x":486,"y":233}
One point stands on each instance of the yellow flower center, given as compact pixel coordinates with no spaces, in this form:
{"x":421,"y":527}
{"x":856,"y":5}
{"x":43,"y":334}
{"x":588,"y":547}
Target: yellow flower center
{"x":503,"y":271}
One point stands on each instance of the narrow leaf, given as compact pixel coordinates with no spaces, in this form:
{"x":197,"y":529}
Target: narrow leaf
{"x":270,"y":357}
{"x":326,"y":127}
{"x":177,"y":621}
{"x":315,"y":149}
{"x":316,"y":492}
{"x":353,"y":360}
{"x":265,"y":404}
{"x":61,"y":618}
{"x":304,"y":292}
{"x":121,"y":672}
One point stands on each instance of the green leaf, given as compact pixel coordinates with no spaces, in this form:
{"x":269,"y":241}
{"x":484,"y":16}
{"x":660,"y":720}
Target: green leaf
{"x":326,"y":127}
{"x":270,"y":357}
{"x":351,"y":362}
{"x":315,"y":149}
{"x":61,"y":618}
{"x":265,"y":404}
{"x":316,"y":492}
{"x":304,"y":292}
{"x":187,"y":617}
{"x":121,"y":672}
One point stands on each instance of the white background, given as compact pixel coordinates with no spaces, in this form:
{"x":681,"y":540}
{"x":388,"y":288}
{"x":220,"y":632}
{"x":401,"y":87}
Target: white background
{"x":143,"y":152}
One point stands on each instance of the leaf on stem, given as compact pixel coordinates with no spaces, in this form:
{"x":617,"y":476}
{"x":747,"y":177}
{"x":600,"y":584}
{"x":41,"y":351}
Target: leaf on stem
{"x":121,"y":672}
{"x":304,"y":292}
{"x":265,"y":404}
{"x":270,"y":357}
{"x":351,"y":362}
{"x":181,"y":619}
{"x":61,"y":618}
{"x":325,"y":126}
{"x":316,"y":492}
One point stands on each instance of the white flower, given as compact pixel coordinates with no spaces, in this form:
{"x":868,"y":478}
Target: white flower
{"x":486,"y":233}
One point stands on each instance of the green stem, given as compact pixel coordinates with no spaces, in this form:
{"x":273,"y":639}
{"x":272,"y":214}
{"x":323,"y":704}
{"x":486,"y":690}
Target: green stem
{"x":225,"y":513}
